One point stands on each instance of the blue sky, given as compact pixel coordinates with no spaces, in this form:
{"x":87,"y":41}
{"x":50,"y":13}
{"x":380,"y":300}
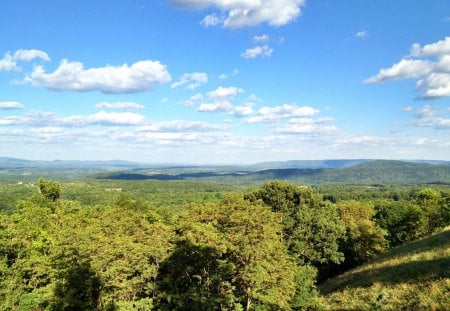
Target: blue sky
{"x":224,"y":81}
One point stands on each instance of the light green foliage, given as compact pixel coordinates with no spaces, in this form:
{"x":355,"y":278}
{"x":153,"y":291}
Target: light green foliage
{"x":364,"y":238}
{"x":49,"y":189}
{"x":76,"y":258}
{"x":436,"y":208}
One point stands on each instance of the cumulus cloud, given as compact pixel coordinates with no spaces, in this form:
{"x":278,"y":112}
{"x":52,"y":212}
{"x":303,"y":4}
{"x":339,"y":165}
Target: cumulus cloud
{"x":220,"y":100}
{"x":405,"y":69}
{"x":261,"y":50}
{"x":433,"y":74}
{"x":10,"y":105}
{"x":242,"y":111}
{"x":439,"y":48}
{"x":120,"y":105}
{"x":222,"y":93}
{"x":72,"y":76}
{"x":219,"y":106}
{"x":9,"y":61}
{"x":191,"y":81}
{"x":29,"y":55}
{"x":244,"y":13}
{"x":436,"y":84}
{"x":286,"y":111}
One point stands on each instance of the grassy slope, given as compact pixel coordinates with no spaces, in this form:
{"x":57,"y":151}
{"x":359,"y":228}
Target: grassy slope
{"x":414,"y":276}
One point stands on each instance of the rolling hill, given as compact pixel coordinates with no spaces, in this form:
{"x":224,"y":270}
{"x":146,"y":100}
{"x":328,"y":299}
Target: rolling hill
{"x":300,"y":171}
{"x":414,"y":276}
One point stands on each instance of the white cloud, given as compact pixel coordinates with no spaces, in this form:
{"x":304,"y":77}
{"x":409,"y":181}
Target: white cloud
{"x":435,"y":85}
{"x":9,"y":62}
{"x":10,"y":105}
{"x":104,"y":118}
{"x":362,"y":34}
{"x":211,"y":20}
{"x":11,"y":120}
{"x":261,"y":39}
{"x":219,"y":101}
{"x":44,"y":119}
{"x":193,"y":100}
{"x":71,"y":76}
{"x":307,"y":126}
{"x":29,"y":55}
{"x":242,"y":111}
{"x":261,"y":50}
{"x":244,"y":13}
{"x":429,"y":116}
{"x":218,"y":106}
{"x":433,"y":76}
{"x":364,"y":140}
{"x":222,"y":93}
{"x":286,"y":111}
{"x":439,"y":48}
{"x":191,"y":81}
{"x":407,"y":109}
{"x":180,"y":126}
{"x":223,"y":76}
{"x":119,"y":105}
{"x":405,"y":69}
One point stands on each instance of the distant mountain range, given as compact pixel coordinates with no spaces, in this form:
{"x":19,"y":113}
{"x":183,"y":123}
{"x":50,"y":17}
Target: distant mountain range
{"x":367,"y":171}
{"x":304,"y":171}
{"x":8,"y":162}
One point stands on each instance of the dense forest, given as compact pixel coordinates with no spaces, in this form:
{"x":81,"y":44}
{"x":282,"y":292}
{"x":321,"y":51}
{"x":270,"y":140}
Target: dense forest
{"x":203,"y":245}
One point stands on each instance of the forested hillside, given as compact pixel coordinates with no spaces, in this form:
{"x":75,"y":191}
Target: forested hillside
{"x":108,"y":245}
{"x":377,"y":171}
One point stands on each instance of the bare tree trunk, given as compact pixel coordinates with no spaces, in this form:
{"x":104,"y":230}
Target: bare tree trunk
{"x":249,"y":302}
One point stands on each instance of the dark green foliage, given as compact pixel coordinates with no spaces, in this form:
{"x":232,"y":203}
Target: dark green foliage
{"x":196,"y":278}
{"x":77,"y":286}
{"x":311,"y":227}
{"x":228,"y":257}
{"x":404,"y":221}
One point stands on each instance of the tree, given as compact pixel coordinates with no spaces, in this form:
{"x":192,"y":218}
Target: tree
{"x":49,"y":189}
{"x":364,"y":238}
{"x":311,"y":227}
{"x":229,"y":256}
{"x":433,"y":204}
{"x":403,"y":220}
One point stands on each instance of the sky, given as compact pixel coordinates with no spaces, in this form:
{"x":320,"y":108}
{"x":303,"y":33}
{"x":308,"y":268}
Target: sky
{"x":224,"y":81}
